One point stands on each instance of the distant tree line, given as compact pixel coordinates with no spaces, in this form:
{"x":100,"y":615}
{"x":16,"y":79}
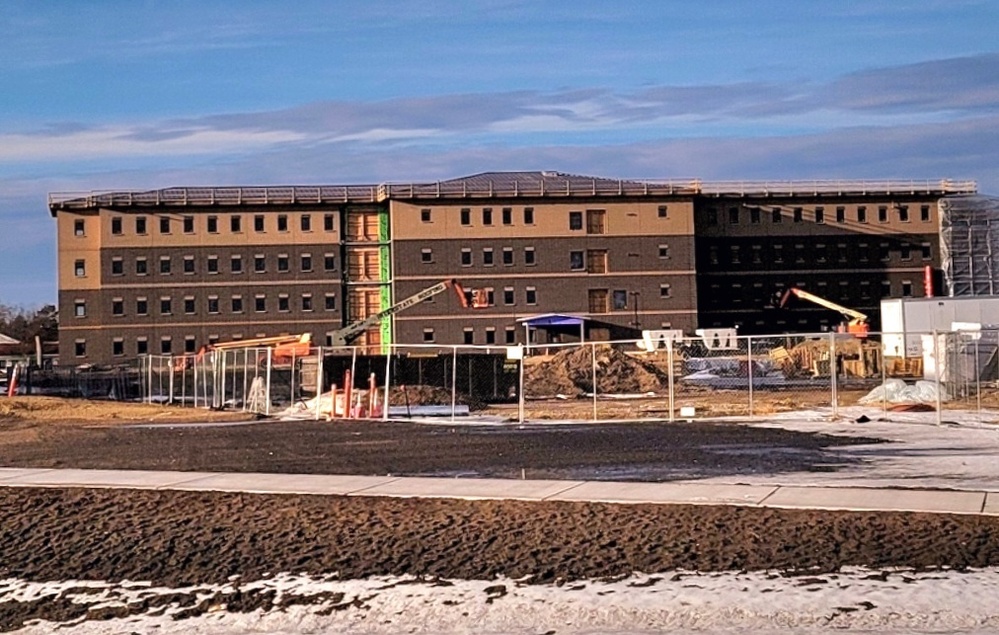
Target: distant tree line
{"x":24,"y":324}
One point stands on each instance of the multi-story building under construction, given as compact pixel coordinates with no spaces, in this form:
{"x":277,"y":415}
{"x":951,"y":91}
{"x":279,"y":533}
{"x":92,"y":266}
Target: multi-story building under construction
{"x":168,"y":271}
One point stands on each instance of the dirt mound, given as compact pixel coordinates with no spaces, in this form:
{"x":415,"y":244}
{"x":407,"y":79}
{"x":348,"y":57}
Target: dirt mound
{"x":430,"y":396}
{"x":60,"y":410}
{"x":570,"y":372}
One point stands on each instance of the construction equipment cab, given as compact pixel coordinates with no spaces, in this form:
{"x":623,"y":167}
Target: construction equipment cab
{"x":855,"y":323}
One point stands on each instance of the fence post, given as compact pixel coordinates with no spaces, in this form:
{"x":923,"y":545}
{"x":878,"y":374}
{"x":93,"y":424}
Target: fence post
{"x":246,"y":376}
{"x":749,"y":371}
{"x":884,"y":380}
{"x":159,"y":376}
{"x":936,"y":371}
{"x":520,"y":389}
{"x":834,"y":393}
{"x":205,"y":362}
{"x":194,"y":384}
{"x":220,"y":365}
{"x":454,"y":379}
{"x":267,"y":394}
{"x":353,"y":373}
{"x":293,"y":361}
{"x":171,"y":367}
{"x":669,"y":378}
{"x":978,"y":380}
{"x":388,"y":382}
{"x":319,"y":381}
{"x":593,"y":362}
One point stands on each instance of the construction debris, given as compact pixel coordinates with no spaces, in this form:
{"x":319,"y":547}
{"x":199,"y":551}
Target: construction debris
{"x":855,"y":357}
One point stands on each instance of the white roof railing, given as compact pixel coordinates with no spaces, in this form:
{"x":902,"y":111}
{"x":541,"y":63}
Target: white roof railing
{"x":574,"y":187}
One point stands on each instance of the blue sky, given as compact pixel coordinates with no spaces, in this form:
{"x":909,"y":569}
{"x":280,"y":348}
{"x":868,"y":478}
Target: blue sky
{"x":143,"y":94}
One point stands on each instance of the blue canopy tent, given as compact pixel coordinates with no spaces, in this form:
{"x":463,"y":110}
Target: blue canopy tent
{"x":558,"y":323}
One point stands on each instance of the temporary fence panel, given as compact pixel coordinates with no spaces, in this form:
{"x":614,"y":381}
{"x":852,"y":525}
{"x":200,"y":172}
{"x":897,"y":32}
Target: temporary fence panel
{"x":968,"y":372}
{"x":120,"y":383}
{"x":713,"y":375}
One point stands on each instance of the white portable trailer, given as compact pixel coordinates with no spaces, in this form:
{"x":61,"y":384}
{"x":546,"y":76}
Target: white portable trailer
{"x":905,"y":320}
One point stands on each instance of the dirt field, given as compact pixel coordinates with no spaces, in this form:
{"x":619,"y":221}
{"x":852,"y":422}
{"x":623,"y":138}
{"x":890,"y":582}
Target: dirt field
{"x":179,"y":539}
{"x":61,"y":411}
{"x":635,"y":451}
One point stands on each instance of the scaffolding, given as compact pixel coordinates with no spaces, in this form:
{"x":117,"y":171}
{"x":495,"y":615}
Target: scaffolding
{"x":969,"y":245}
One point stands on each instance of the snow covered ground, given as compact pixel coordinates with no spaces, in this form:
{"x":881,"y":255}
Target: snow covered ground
{"x":759,"y":602}
{"x":962,"y":453}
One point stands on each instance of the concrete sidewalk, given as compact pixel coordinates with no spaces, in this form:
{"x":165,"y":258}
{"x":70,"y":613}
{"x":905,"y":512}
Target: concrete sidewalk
{"x":790,"y":497}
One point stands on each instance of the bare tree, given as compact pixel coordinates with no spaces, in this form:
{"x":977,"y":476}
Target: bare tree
{"x":24,"y":325}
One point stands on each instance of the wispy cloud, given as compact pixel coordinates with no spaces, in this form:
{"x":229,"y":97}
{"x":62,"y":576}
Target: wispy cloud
{"x":956,"y":149}
{"x":915,"y":93}
{"x":85,"y":144}
{"x":967,"y":83}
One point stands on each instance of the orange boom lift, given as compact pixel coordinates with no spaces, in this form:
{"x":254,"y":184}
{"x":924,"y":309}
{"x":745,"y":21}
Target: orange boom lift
{"x":855,"y":323}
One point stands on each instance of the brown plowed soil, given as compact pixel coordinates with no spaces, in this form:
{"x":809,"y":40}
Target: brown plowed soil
{"x":191,"y":538}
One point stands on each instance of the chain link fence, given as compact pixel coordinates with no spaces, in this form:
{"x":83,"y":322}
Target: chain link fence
{"x":710,"y":376}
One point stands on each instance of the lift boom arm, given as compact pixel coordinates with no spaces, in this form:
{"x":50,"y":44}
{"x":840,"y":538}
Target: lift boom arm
{"x":347,"y":334}
{"x":855,"y":317}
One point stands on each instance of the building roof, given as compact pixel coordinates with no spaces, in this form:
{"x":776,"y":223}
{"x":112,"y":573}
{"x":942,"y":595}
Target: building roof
{"x":4,"y":339}
{"x":546,"y":179}
{"x":490,"y":185}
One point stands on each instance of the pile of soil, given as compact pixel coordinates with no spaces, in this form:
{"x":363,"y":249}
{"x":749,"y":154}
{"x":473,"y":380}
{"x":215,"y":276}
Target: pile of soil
{"x":179,"y":539}
{"x":570,"y":373}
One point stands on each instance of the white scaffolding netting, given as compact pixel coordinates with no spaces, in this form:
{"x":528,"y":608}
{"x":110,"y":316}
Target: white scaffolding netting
{"x":969,"y":244}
